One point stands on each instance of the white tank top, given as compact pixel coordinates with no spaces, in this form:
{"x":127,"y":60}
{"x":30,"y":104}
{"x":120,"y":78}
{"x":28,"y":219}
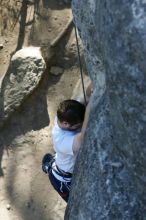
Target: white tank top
{"x":63,"y":142}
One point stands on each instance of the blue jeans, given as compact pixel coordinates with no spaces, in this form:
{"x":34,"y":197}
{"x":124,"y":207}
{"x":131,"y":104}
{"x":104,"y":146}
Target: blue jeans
{"x":63,"y":188}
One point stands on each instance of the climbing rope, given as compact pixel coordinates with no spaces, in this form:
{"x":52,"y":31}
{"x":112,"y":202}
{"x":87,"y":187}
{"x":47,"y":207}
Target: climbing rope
{"x":80,"y":63}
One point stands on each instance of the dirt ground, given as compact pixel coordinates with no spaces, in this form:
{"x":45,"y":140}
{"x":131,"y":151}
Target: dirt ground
{"x":25,"y":191}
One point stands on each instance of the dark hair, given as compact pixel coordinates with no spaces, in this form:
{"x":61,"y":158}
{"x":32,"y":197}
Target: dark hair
{"x":71,"y":111}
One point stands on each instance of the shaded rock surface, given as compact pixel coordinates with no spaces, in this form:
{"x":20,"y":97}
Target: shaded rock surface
{"x":23,"y":76}
{"x":109,"y":180}
{"x":55,"y":70}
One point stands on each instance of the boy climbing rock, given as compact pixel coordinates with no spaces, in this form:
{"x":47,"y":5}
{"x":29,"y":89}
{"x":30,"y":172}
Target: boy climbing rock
{"x":68,"y":134}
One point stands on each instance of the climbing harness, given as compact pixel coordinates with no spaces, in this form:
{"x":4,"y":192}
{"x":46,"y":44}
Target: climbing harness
{"x":48,"y":164}
{"x":80,"y":63}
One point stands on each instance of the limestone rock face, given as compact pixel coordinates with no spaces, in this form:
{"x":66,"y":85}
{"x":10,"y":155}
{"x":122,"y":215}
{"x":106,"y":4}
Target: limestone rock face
{"x":110,"y":173}
{"x":23,"y":76}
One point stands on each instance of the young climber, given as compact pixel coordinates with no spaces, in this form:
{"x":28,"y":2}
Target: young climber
{"x":68,"y":133}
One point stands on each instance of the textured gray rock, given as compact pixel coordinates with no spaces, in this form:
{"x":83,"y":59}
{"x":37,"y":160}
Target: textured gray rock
{"x":109,"y":179}
{"x":23,"y":76}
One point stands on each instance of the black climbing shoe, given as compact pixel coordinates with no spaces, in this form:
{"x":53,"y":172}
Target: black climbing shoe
{"x":47,"y":162}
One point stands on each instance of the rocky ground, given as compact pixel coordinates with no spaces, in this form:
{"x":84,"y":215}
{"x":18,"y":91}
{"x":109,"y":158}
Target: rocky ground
{"x":25,"y":192}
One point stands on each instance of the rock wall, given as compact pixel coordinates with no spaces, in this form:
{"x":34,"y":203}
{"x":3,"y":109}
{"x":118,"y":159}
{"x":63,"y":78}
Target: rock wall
{"x":109,"y":178}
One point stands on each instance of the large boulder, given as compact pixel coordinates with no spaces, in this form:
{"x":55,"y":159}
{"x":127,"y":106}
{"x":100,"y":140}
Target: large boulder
{"x":109,"y":177}
{"x":23,"y":76}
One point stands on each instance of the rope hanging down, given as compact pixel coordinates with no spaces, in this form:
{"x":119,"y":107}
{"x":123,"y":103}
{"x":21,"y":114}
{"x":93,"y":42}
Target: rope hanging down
{"x":80,"y":63}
